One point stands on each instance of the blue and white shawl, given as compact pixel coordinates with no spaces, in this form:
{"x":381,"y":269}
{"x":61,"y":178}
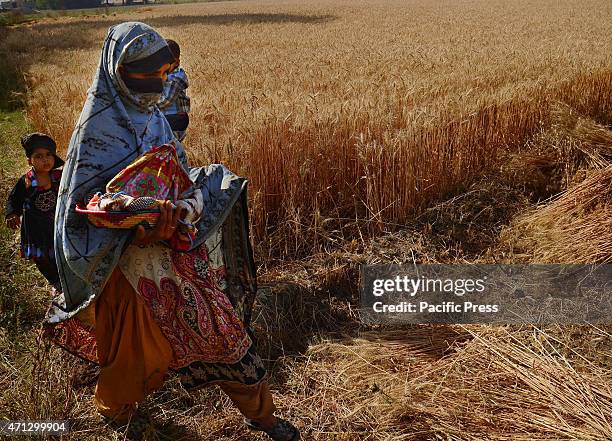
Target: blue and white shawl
{"x":115,"y":127}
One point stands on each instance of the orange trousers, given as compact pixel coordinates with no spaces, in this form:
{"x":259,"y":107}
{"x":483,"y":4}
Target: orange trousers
{"x":134,"y":356}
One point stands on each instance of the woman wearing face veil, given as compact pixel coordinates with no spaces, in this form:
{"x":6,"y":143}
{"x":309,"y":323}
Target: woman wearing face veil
{"x":130,"y":303}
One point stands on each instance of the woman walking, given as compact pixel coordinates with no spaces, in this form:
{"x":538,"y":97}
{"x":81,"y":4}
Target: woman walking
{"x":130,"y":303}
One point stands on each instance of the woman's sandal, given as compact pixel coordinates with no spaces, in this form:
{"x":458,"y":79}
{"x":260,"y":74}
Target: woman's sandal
{"x":282,"y":431}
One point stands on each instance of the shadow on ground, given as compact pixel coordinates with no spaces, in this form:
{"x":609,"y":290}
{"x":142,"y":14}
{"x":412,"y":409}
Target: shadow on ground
{"x":288,"y":316}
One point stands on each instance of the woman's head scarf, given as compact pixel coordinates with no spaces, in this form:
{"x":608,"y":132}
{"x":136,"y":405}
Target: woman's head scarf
{"x":116,"y":126}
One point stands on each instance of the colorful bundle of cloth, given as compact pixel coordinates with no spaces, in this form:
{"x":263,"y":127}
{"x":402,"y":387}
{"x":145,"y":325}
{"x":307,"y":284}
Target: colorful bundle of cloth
{"x":134,"y":195}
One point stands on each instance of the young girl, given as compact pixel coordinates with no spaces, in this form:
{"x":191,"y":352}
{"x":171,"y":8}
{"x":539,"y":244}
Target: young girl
{"x":34,"y":198}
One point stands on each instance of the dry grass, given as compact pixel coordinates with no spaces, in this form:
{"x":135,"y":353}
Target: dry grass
{"x":416,"y":383}
{"x":459,"y":383}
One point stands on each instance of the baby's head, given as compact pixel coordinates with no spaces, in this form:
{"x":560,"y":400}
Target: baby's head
{"x":176,"y":51}
{"x":40,"y":150}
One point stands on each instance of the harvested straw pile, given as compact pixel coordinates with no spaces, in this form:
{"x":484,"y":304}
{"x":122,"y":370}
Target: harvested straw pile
{"x":575,"y":228}
{"x":457,"y":383}
{"x":592,"y":141}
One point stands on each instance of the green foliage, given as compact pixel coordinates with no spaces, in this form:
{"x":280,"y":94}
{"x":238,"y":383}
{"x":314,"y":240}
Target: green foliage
{"x":12,"y":85}
{"x":67,"y":4}
{"x":12,"y":18}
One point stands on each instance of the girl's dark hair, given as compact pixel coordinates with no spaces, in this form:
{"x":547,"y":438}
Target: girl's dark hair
{"x":174,"y":48}
{"x":31,"y":141}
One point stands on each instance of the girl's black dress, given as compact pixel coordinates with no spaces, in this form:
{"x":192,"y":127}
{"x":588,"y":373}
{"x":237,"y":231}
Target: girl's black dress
{"x":37,"y":208}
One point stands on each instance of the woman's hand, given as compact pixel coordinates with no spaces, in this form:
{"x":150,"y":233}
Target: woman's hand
{"x":164,"y":229}
{"x":13,"y":222}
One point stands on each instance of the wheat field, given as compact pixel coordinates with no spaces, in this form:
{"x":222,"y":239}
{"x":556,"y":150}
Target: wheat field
{"x":371,"y":132}
{"x":348,"y":116}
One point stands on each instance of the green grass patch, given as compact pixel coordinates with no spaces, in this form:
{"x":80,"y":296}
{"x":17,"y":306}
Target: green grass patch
{"x":13,"y":18}
{"x":12,"y":85}
{"x":12,"y":161}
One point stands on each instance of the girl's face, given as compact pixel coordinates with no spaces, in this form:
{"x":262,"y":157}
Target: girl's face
{"x":42,"y":160}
